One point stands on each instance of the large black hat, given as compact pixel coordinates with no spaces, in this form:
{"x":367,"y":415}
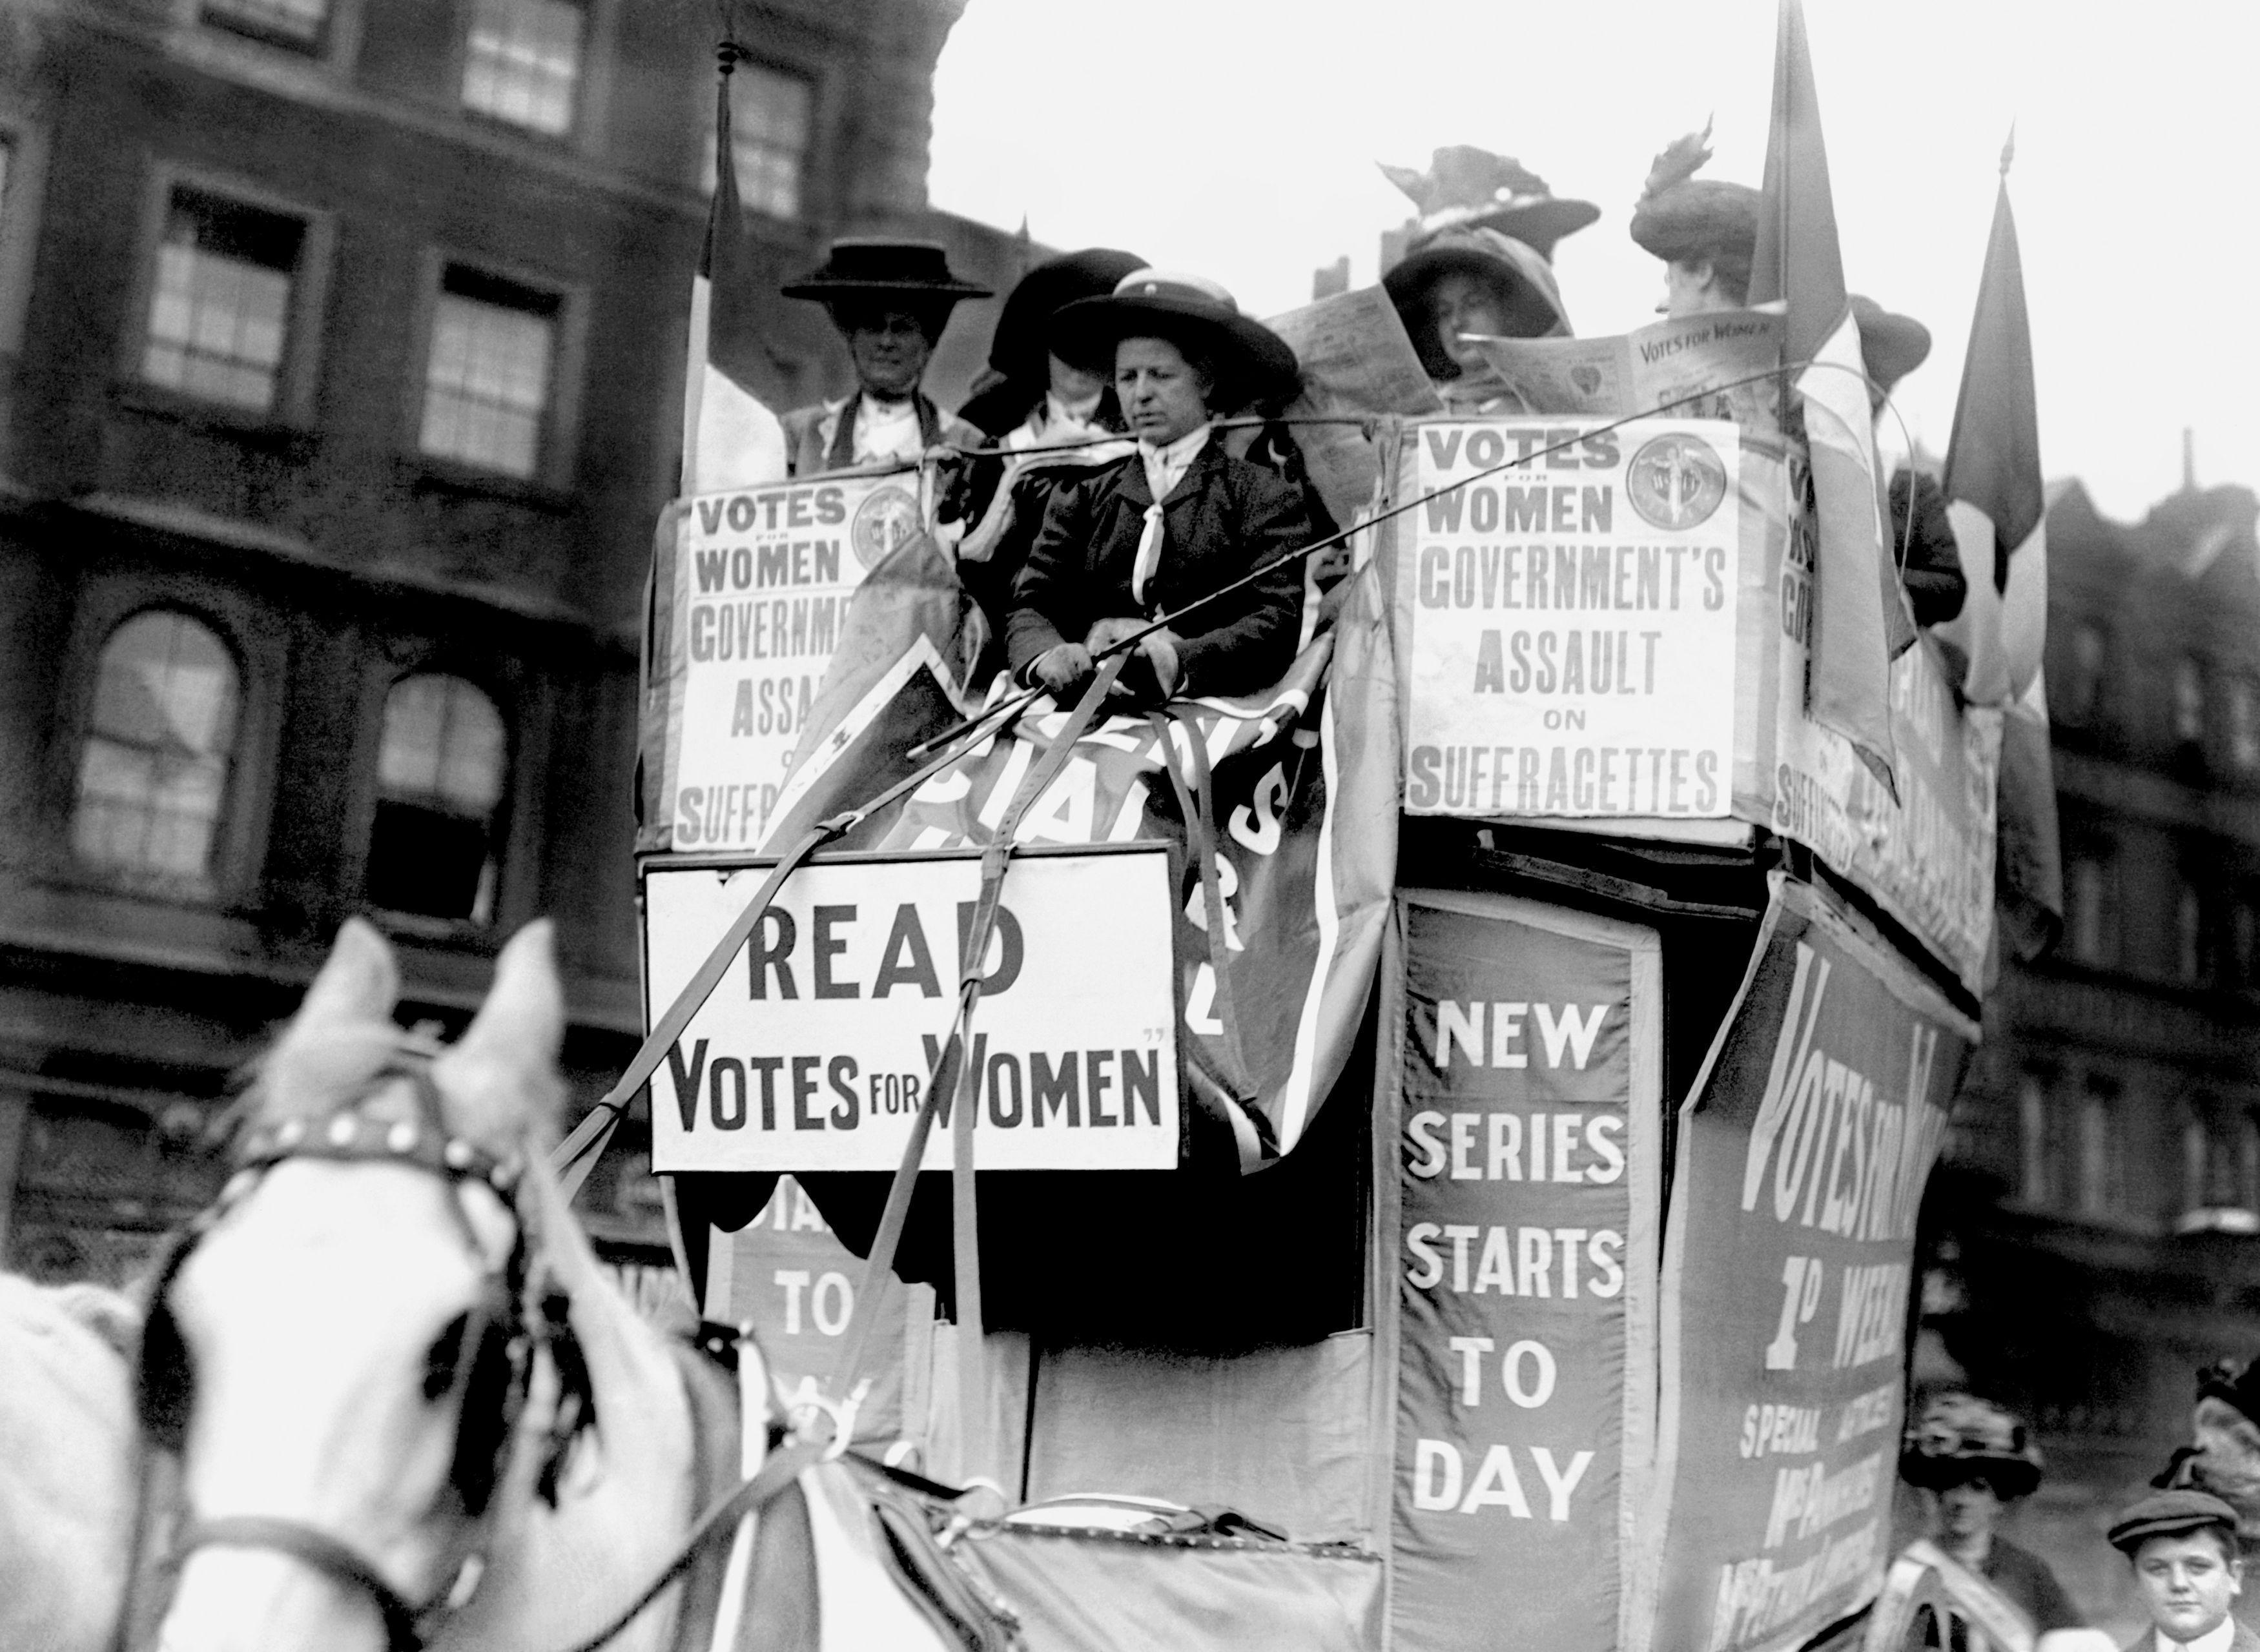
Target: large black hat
{"x":2170,"y":1514}
{"x":1017,"y":375}
{"x":1255,"y":365}
{"x":1891,"y":345}
{"x":1019,"y":347}
{"x":1960,"y":1438}
{"x":1533,"y":297}
{"x":872,"y":268}
{"x":1467,"y":187}
{"x":1681,"y":219}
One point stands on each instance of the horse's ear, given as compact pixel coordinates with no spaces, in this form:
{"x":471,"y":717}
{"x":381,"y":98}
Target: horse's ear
{"x":359,"y":983}
{"x":519,"y":1031}
{"x":524,"y":1016}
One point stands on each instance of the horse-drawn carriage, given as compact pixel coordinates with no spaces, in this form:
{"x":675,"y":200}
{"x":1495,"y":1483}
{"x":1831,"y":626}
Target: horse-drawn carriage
{"x":1425,"y":1153}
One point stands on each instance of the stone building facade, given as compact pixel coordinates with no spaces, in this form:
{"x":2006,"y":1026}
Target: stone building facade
{"x":340,"y":376}
{"x":2098,"y":1223}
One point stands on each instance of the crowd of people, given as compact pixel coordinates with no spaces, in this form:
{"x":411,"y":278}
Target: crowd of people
{"x":2184,"y":1539}
{"x":1111,"y":495}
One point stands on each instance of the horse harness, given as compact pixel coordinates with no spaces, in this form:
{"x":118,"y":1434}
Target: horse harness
{"x":489,"y":1374}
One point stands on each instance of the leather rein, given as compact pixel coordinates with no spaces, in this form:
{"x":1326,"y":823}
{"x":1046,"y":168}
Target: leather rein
{"x":507,"y":1310}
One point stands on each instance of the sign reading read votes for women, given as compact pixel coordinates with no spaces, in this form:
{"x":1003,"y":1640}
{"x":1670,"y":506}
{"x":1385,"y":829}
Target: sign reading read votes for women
{"x":813,"y":1053}
{"x":1526,"y":1118}
{"x":1571,"y":621}
{"x":1802,"y":1156}
{"x":763,"y":579}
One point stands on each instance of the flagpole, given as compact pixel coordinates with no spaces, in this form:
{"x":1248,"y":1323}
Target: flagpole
{"x":1780,"y":205}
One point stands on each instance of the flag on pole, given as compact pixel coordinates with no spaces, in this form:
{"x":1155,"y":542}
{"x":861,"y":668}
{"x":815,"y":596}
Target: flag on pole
{"x":1797,"y":261}
{"x":1999,"y":506}
{"x":730,"y":439}
{"x":1993,"y":481}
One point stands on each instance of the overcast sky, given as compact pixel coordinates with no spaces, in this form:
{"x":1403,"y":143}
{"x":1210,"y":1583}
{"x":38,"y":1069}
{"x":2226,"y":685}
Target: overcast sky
{"x":1238,"y":137}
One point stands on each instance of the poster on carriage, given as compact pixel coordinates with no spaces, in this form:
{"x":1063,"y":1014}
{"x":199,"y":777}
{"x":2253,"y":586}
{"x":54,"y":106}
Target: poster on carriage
{"x":1926,"y":854}
{"x":1568,"y":627}
{"x":1800,"y":1163}
{"x":1519,"y":1146}
{"x":752,"y":596}
{"x":789,"y":1275}
{"x":813,"y":1051}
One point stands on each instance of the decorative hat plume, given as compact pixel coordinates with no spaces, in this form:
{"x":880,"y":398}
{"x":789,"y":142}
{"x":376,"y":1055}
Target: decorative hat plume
{"x":1680,"y":160}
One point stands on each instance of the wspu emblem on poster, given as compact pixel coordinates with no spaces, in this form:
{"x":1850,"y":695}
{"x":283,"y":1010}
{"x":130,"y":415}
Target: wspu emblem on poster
{"x":1571,"y":619}
{"x":814,"y":1051}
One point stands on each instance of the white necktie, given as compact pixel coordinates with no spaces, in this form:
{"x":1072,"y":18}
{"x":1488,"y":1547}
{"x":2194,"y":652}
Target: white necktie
{"x":1149,"y":552}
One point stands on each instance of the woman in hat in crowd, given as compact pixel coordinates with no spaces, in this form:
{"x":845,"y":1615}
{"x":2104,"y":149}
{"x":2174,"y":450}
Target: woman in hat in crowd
{"x":1175,"y":520}
{"x":1975,"y":1460}
{"x":890,"y":299}
{"x":1060,"y":417}
{"x":1468,"y":187}
{"x":1029,"y":397}
{"x":1892,"y":346}
{"x":1469,"y":279}
{"x":1704,"y":230}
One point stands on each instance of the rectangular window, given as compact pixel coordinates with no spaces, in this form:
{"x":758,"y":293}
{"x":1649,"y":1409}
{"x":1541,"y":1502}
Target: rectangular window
{"x":2098,"y":1157}
{"x":2087,"y":915}
{"x":486,"y":388}
{"x":522,"y":62}
{"x":2189,"y":937}
{"x":2037,"y":1182}
{"x":2083,"y":691}
{"x":2189,"y":700}
{"x":289,"y":22}
{"x":2243,"y":725}
{"x":771,"y":116}
{"x":220,"y":308}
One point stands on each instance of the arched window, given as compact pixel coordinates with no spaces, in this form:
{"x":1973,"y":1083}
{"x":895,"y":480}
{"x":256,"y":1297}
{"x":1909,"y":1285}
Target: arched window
{"x":440,"y":782}
{"x":160,"y":742}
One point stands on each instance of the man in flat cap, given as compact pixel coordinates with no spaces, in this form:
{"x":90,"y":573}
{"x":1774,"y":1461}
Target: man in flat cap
{"x":2189,"y":1568}
{"x":890,"y":300}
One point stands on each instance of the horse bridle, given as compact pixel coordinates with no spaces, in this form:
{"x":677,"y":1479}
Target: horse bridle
{"x":505,"y":1326}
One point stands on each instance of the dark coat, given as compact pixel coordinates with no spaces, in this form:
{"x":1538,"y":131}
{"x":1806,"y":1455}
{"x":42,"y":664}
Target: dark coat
{"x":1932,"y":572}
{"x":1224,"y":518}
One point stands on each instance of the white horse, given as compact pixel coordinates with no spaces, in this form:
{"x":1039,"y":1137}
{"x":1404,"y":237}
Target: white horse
{"x":66,"y":1464}
{"x":411,"y":1408}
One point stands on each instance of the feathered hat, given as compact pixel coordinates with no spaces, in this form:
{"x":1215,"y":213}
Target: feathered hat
{"x":1680,"y":218}
{"x":1960,"y":1438}
{"x":1467,"y":187}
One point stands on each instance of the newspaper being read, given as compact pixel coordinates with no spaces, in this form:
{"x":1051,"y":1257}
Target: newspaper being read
{"x":1357,"y":360}
{"x":1658,"y":366}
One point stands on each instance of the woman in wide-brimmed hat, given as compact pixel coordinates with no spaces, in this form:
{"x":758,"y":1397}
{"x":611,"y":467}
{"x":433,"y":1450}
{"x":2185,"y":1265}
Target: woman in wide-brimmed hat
{"x":1028,"y":389}
{"x":890,"y":299}
{"x":1469,"y":280}
{"x":1179,"y":519}
{"x":1468,"y":187}
{"x":1929,"y":559}
{"x":1704,"y":230}
{"x":1054,"y":419}
{"x":1975,"y":1459}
